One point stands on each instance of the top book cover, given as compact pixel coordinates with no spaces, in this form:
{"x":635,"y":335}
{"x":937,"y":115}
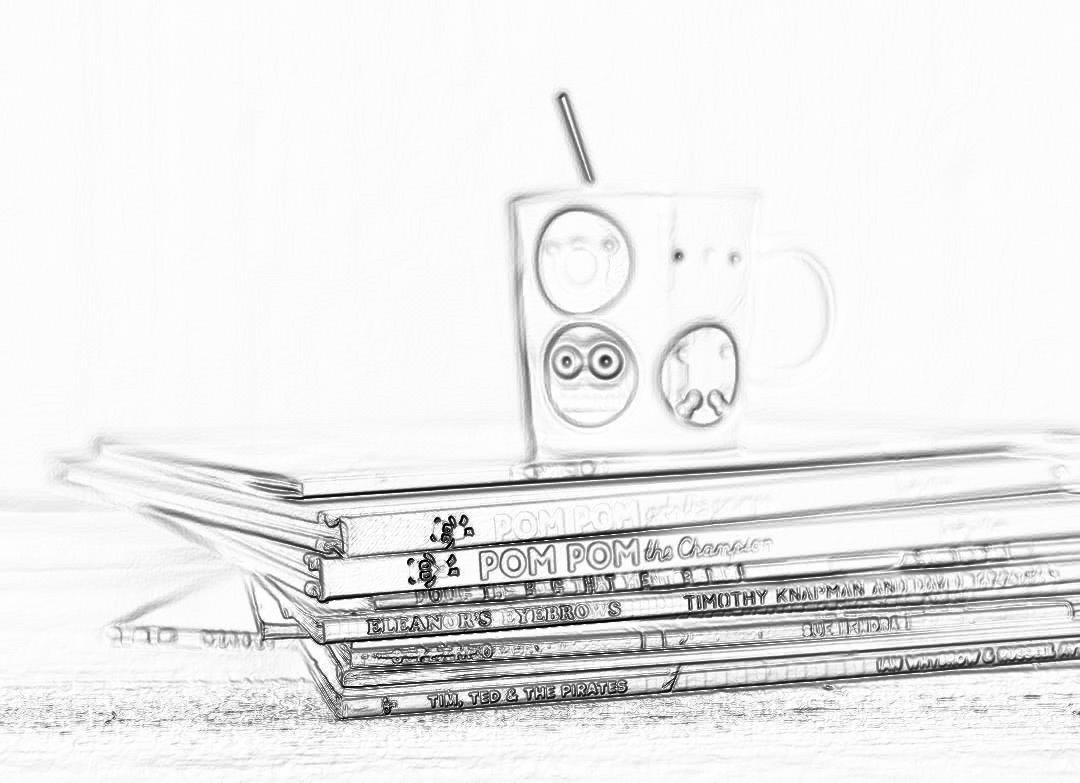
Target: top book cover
{"x":385,"y":460}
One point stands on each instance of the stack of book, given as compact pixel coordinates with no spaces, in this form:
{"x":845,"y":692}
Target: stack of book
{"x":423,"y":589}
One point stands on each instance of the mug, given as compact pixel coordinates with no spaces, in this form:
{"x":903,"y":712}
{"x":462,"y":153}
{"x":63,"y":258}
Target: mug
{"x":634,"y":317}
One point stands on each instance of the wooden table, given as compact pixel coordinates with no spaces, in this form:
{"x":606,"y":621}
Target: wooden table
{"x":71,"y":705}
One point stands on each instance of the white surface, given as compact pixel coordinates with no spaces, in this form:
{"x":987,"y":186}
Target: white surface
{"x":241,"y":213}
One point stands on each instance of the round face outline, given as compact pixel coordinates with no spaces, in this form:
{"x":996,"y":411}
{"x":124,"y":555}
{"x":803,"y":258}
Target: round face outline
{"x":590,"y":374}
{"x":583,"y":260}
{"x":699,"y":374}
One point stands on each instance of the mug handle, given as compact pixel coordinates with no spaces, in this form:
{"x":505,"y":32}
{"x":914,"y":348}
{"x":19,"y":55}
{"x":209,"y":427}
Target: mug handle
{"x":787,"y":370}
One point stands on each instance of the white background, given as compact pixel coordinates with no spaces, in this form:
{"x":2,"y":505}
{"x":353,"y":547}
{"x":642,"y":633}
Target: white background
{"x":253,"y":213}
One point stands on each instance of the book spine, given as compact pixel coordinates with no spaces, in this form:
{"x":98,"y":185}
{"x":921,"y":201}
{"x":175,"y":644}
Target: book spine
{"x":668,"y":503}
{"x":896,"y":532}
{"x":873,"y":589}
{"x":690,"y":677}
{"x":373,"y":662}
{"x":677,"y":578}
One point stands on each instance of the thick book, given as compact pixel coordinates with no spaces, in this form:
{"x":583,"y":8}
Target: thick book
{"x":446,"y":519}
{"x":354,"y":620}
{"x":680,"y":674}
{"x":784,"y":546}
{"x":609,"y":646}
{"x":880,"y":540}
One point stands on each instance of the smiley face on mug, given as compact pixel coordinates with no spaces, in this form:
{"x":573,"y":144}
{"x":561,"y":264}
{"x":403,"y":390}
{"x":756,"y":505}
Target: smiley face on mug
{"x":583,"y":261}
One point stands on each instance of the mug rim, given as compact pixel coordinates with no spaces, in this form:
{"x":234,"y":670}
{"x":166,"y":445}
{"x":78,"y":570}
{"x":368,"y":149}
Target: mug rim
{"x":733,"y":192}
